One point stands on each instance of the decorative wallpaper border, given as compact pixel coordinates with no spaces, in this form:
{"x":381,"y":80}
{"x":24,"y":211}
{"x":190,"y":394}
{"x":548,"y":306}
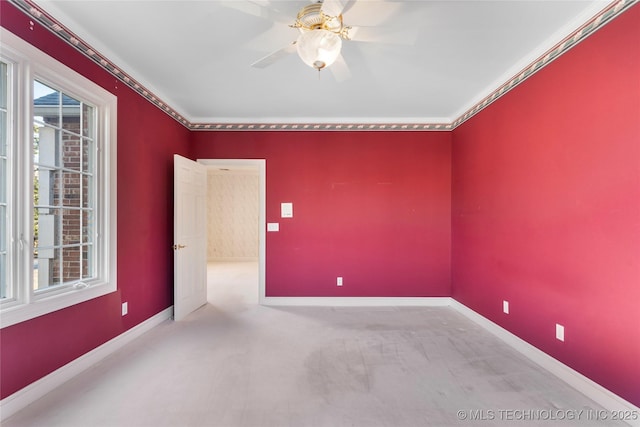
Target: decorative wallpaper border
{"x":321,"y":126}
{"x":614,"y":9}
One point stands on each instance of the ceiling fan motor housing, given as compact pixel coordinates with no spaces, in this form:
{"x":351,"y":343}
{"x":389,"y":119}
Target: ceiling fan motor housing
{"x":311,"y":17}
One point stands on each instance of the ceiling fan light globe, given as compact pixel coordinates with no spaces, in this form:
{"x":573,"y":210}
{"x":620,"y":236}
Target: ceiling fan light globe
{"x":319,"y":48}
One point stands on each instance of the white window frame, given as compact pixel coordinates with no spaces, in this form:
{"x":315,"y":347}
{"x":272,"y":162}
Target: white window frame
{"x":27,"y":64}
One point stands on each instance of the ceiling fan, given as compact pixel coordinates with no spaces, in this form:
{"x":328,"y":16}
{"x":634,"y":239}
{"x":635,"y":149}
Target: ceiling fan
{"x":322,"y":31}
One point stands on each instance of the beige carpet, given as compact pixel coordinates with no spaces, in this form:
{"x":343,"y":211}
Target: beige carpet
{"x":232,"y":363}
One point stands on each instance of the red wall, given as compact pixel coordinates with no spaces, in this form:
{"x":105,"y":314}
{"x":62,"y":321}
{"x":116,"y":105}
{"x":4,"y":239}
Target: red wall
{"x":372,"y":207}
{"x":545,"y":213}
{"x":147,"y":139}
{"x":546,"y":208}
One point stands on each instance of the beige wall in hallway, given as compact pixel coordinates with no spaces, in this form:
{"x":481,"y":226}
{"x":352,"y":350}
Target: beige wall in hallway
{"x":232,"y":214}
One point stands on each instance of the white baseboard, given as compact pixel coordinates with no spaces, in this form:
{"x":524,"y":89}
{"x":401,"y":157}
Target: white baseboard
{"x":20,"y":399}
{"x":584,"y":385}
{"x":358,"y":301}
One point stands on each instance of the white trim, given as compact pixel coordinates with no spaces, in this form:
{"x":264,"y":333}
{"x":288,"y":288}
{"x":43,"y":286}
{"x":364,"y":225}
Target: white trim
{"x":358,"y":301}
{"x":260,"y":165}
{"x":584,"y":385}
{"x":20,"y":399}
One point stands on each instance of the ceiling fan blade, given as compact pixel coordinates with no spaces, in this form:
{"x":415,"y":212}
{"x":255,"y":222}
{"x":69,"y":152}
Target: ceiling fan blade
{"x":400,"y":36}
{"x":260,"y":8}
{"x":370,"y":12}
{"x":276,"y":35}
{"x":340,"y":69}
{"x":335,"y":7}
{"x":275,"y":56}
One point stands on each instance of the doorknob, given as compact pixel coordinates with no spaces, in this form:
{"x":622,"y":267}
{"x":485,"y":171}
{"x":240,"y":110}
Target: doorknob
{"x":176,"y":247}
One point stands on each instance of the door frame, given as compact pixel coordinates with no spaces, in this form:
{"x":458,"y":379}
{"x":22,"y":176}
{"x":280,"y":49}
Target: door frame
{"x":261,"y":166}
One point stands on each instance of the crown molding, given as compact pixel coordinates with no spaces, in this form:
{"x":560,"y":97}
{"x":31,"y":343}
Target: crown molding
{"x":612,"y":10}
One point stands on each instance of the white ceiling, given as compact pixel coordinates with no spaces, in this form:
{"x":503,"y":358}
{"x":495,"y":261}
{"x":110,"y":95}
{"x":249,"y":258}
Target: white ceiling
{"x":196,"y":55}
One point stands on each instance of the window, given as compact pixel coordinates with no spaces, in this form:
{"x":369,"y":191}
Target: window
{"x":5,"y":289}
{"x":57,"y":185}
{"x":63,"y":190}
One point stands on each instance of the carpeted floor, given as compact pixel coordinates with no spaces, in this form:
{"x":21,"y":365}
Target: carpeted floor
{"x":234,"y":363}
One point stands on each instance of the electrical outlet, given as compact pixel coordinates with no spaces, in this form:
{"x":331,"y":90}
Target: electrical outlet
{"x":339,"y":281}
{"x":505,"y":307}
{"x":559,"y":332}
{"x":125,"y":308}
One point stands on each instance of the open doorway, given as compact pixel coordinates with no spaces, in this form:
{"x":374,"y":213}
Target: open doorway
{"x":235,"y":231}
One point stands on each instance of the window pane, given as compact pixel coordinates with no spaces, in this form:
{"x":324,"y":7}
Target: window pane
{"x":87,"y":191}
{"x":46,"y":185}
{"x":71,"y":192}
{"x":5,"y":291}
{"x":46,"y":104}
{"x":3,"y":182}
{"x":71,"y":151}
{"x":47,"y":268}
{"x":4,"y":82}
{"x":87,"y":227}
{"x":71,"y":227}
{"x":87,"y":262}
{"x":70,"y":114}
{"x":3,"y":133}
{"x":46,"y":145}
{"x":88,"y":154}
{"x":3,"y":226}
{"x":72,"y":265}
{"x":64,"y":163}
{"x":88,"y":121}
{"x":46,"y":225}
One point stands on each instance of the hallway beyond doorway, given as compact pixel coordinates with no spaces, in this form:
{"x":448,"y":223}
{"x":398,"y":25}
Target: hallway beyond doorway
{"x":232,"y":282}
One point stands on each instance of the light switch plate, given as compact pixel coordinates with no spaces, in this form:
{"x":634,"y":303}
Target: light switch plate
{"x":286,"y":210}
{"x":273,"y":226}
{"x":559,"y":332}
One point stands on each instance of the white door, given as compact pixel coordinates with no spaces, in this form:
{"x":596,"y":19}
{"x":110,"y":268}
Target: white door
{"x":189,"y":236}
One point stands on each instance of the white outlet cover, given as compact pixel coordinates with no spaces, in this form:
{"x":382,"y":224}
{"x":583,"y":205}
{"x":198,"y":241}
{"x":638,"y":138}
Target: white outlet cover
{"x":339,"y":281}
{"x":505,"y":307}
{"x":273,"y":226}
{"x":125,"y":308}
{"x":560,"y":332}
